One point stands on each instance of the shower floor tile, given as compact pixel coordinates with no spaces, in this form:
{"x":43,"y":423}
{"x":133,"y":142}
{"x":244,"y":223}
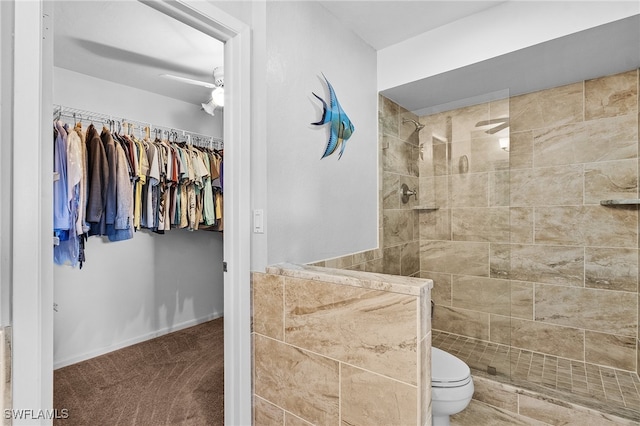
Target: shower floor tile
{"x":609,"y":390}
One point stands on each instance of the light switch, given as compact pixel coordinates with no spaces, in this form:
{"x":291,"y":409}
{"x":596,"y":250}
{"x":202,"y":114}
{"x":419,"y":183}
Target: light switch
{"x":258,"y":221}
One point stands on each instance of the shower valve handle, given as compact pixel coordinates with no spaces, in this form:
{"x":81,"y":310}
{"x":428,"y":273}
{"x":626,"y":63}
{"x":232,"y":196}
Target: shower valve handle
{"x":407,"y":193}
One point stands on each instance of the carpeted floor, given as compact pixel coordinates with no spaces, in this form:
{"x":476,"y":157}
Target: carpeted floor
{"x":176,"y":379}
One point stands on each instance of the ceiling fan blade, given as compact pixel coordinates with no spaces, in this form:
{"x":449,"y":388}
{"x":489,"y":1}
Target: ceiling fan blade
{"x":189,"y":81}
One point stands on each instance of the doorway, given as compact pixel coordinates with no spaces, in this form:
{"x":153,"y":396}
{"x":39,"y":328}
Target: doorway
{"x":33,"y":299}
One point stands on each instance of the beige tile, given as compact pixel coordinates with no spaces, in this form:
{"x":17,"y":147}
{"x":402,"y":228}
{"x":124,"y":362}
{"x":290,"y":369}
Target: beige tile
{"x":424,"y":394}
{"x":410,"y":258}
{"x":611,"y":350}
{"x":425,"y":313}
{"x":546,"y":108}
{"x":485,"y":155}
{"x":266,"y":414}
{"x":605,"y":139}
{"x":434,"y":191}
{"x":480,"y":224}
{"x":440,"y":158}
{"x":500,"y":329}
{"x":461,"y":321}
{"x":499,"y":188}
{"x":522,"y":225}
{"x":638,"y":355}
{"x":611,"y":95}
{"x":375,"y":266}
{"x":547,"y":186}
{"x":399,"y":157}
{"x":364,"y":256}
{"x":291,"y":420}
{"x":613,"y":312}
{"x":391,"y":260}
{"x":469,"y":190}
{"x":435,"y":224}
{"x":398,"y":227}
{"x":554,"y":414}
{"x":441,"y":292}
{"x":425,"y":158}
{"x":299,"y":381}
{"x":551,"y":339}
{"x":521,"y":150}
{"x":340,"y":262}
{"x":538,"y":263}
{"x":611,"y":268}
{"x":587,"y":225}
{"x":268,"y":305}
{"x":390,"y":190}
{"x":468,"y":258}
{"x":479,"y":413}
{"x":495,"y":394}
{"x":371,"y":399}
{"x":407,"y":131}
{"x":352,"y":325}
{"x":610,"y":180}
{"x":481,"y":294}
{"x":522,"y":300}
{"x":389,"y":112}
{"x":464,"y":121}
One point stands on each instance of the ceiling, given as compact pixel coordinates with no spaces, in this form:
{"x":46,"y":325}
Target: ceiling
{"x":384,"y":23}
{"x":132,"y":44}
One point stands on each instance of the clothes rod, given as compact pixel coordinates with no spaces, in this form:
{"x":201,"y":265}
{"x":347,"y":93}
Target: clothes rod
{"x":80,"y":115}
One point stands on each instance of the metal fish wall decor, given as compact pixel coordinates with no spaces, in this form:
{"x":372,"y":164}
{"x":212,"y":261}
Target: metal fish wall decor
{"x":341,"y":126}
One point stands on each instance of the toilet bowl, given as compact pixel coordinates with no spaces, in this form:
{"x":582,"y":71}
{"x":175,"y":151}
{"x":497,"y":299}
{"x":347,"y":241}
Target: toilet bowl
{"x":451,"y":386}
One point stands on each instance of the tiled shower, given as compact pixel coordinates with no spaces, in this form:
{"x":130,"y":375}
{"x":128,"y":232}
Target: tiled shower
{"x":535,"y":281}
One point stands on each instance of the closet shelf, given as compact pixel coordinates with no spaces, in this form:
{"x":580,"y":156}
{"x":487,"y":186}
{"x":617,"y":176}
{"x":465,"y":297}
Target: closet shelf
{"x":426,"y":208}
{"x":621,"y":202}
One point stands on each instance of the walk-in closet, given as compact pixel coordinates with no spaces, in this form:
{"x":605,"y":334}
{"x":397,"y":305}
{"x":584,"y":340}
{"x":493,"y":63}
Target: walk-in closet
{"x":138,"y":282}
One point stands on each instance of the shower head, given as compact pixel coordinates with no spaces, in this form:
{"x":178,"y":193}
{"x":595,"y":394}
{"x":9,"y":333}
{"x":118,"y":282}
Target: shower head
{"x":415,"y":123}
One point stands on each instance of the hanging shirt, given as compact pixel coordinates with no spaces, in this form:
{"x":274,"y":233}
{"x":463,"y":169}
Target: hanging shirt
{"x":123,"y":225}
{"x":60,"y":186}
{"x":97,"y":178}
{"x":111,"y":197}
{"x":153,"y":179}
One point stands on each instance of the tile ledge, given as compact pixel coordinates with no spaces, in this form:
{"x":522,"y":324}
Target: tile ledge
{"x":391,"y":283}
{"x":621,"y":202}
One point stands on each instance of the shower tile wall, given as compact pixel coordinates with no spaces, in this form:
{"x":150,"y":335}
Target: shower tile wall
{"x":520,"y":250}
{"x":400,"y":231}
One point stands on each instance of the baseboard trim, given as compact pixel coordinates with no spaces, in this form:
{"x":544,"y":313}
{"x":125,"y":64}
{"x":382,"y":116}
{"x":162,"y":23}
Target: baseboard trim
{"x":132,"y":341}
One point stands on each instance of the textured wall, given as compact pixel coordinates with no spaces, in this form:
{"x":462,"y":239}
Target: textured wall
{"x":520,"y":250}
{"x":325,"y":350}
{"x":318,"y":208}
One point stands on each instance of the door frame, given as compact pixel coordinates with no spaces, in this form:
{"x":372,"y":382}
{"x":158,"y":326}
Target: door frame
{"x":32,"y":200}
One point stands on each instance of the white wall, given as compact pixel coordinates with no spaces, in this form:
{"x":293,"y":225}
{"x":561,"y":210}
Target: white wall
{"x":133,"y":290}
{"x":318,"y":209}
{"x":505,"y":28}
{"x":6,"y":80}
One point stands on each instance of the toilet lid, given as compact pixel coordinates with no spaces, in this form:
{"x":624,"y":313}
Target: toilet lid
{"x":446,"y":368}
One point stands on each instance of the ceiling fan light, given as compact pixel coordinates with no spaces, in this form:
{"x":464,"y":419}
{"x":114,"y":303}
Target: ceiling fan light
{"x":217,"y":95}
{"x":209,"y":107}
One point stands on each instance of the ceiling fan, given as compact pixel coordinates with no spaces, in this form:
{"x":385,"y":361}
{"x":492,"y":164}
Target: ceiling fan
{"x":217,"y":86}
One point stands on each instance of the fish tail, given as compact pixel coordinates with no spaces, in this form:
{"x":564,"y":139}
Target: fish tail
{"x":325,"y":118}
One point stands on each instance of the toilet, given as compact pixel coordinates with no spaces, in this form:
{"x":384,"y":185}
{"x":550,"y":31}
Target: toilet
{"x":451,"y":386}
